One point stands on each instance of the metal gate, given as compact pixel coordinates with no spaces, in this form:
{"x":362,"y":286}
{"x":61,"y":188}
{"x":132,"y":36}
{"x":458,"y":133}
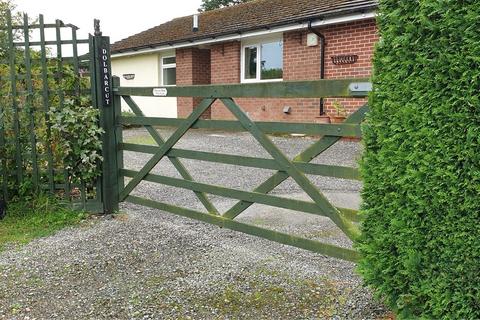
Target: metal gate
{"x":46,"y":69}
{"x":297,"y":168}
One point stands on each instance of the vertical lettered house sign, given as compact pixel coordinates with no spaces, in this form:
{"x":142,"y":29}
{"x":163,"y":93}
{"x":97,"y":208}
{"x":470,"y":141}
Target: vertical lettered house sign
{"x":105,"y":71}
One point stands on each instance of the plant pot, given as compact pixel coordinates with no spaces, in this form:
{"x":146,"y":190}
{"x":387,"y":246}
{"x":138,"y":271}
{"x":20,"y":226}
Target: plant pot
{"x":322,"y":119}
{"x":337,"y":119}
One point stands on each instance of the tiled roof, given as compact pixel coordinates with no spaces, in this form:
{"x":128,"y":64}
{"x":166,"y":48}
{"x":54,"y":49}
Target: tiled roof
{"x":253,"y":15}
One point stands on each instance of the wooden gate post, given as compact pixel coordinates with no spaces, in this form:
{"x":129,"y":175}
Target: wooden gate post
{"x":102,"y":80}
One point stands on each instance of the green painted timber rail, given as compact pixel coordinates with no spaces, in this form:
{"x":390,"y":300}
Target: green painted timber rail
{"x":347,"y":220}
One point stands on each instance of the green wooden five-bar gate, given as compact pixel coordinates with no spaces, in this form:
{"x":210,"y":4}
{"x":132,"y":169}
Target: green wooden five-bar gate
{"x":296,"y":168}
{"x":31,"y":95}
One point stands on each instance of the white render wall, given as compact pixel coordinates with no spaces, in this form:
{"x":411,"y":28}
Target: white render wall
{"x":146,"y":70}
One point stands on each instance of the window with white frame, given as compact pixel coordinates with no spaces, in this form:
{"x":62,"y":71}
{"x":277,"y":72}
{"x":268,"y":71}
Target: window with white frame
{"x":169,"y":71}
{"x":262,"y":61}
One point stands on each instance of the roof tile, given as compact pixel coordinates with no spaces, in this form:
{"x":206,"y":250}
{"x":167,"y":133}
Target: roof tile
{"x":251,"y":15}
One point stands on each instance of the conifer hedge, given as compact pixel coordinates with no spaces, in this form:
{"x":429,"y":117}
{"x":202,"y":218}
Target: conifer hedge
{"x":421,"y":168}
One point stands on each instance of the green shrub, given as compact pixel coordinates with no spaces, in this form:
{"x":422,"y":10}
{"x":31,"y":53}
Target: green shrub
{"x":71,"y":131}
{"x":421,"y":168}
{"x":128,"y":114}
{"x":65,"y":124}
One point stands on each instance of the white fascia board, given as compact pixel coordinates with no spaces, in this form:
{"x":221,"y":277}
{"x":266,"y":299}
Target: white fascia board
{"x":239,"y":37}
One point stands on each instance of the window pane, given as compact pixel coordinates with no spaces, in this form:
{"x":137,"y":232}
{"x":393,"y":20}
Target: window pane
{"x":251,"y":63}
{"x":169,"y":76}
{"x":169,"y":60}
{"x":272,"y":60}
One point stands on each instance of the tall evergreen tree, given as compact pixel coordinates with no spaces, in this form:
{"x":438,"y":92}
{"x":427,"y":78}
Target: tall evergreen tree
{"x":208,"y":5}
{"x":420,"y":243}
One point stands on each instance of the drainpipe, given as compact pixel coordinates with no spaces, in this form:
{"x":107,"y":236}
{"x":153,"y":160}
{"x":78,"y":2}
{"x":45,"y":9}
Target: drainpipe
{"x":322,"y":61}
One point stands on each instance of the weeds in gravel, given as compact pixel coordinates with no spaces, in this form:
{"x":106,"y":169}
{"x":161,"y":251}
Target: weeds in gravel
{"x":321,"y":234}
{"x":38,"y":217}
{"x":262,"y":294}
{"x":15,"y":308}
{"x":309,"y":299}
{"x":291,"y":297}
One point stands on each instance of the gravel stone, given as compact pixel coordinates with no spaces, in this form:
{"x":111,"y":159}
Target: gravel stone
{"x":148,"y":264}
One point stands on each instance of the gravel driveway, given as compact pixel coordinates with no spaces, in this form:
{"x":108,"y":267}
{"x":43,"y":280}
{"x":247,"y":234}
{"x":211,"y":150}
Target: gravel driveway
{"x":147,"y":264}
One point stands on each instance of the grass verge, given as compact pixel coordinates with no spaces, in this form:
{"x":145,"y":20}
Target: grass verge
{"x":144,"y":139}
{"x":38,"y":217}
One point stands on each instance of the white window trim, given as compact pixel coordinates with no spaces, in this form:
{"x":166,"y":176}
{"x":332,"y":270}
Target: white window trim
{"x":257,"y":44}
{"x":166,"y":66}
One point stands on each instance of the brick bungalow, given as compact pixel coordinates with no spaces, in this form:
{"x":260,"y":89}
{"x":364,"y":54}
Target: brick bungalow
{"x":261,"y":40}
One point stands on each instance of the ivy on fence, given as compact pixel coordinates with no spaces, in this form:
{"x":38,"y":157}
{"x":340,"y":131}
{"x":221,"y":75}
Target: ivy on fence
{"x":65,"y":126}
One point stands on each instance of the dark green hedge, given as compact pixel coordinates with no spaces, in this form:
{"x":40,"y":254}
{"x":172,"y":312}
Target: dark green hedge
{"x":421,"y":236}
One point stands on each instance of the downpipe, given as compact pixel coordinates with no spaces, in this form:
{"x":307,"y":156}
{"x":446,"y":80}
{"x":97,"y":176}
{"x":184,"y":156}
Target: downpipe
{"x":322,"y":61}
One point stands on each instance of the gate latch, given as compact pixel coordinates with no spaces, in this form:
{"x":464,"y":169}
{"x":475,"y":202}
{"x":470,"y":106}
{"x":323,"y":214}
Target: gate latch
{"x":360,"y":88}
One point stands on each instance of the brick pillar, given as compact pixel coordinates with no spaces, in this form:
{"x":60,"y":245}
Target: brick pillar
{"x":193,"y":68}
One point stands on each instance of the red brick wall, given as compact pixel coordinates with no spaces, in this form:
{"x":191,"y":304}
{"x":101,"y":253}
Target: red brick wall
{"x":193,"y":68}
{"x":300,"y":63}
{"x":226,"y":62}
{"x":201,"y":67}
{"x":352,"y":38}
